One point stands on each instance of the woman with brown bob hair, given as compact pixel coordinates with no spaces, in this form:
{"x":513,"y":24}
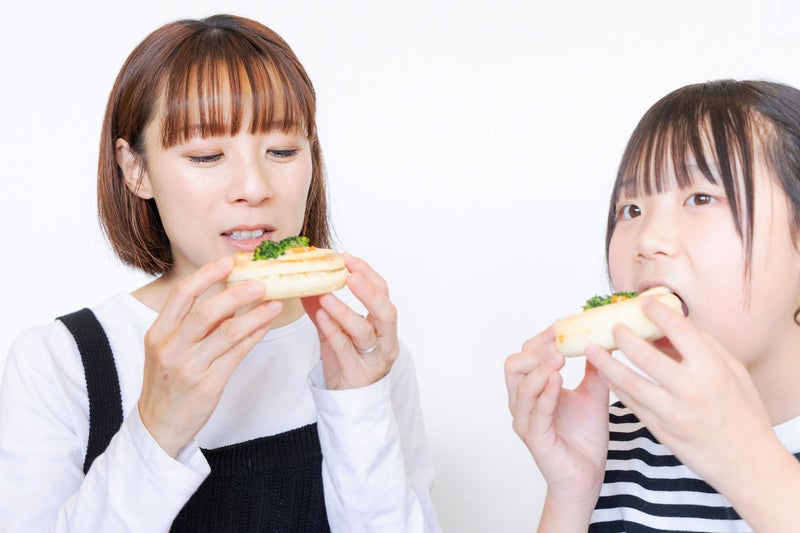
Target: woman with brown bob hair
{"x":187,"y":405}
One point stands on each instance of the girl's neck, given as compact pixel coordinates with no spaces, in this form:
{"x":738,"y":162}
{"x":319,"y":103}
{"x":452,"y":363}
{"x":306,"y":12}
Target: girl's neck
{"x":775,"y":377}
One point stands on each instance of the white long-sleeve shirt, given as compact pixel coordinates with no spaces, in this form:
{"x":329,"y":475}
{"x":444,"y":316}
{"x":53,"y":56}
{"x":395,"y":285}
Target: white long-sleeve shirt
{"x":376,"y":470}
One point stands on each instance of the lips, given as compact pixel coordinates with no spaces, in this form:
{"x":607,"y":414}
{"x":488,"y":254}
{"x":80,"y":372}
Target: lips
{"x":240,"y":235}
{"x":247,"y":238}
{"x":650,"y":284}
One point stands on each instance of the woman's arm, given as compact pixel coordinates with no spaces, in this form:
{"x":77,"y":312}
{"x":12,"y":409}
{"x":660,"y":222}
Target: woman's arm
{"x":376,"y":469}
{"x":43,"y":434}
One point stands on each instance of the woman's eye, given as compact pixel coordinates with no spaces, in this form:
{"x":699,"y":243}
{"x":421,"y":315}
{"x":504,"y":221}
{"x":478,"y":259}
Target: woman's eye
{"x":204,"y":158}
{"x":628,"y":211}
{"x":700,"y":199}
{"x":282,"y":154}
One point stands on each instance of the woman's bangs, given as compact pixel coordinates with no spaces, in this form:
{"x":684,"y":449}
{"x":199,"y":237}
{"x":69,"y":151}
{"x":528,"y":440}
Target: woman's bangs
{"x":219,"y":94}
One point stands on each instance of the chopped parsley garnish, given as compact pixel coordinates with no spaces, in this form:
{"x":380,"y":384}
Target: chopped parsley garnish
{"x":273,"y":249}
{"x":598,"y":301}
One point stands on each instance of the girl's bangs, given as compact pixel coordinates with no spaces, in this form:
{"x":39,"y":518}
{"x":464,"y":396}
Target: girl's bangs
{"x":215,"y":94}
{"x":672,"y":155}
{"x":701,"y":130}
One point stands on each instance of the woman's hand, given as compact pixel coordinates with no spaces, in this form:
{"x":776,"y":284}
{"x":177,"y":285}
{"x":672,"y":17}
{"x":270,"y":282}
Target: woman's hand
{"x":192,"y":348}
{"x":356,"y":351}
{"x":565,"y":430}
{"x":700,"y":403}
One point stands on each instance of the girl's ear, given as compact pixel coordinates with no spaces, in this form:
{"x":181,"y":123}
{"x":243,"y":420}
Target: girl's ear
{"x":136,"y":177}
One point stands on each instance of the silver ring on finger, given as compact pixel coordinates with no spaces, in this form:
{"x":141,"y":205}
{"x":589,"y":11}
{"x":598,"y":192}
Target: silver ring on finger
{"x":368,"y":350}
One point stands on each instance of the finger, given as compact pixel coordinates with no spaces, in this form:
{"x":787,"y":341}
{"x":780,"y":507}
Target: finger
{"x":224,"y":365}
{"x":375,"y":298}
{"x":180,"y":299}
{"x":656,"y":364}
{"x":676,"y":327}
{"x":311,"y":305}
{"x":341,"y":348}
{"x":519,"y":366}
{"x":534,"y":352}
{"x":621,"y":379}
{"x":360,"y":331}
{"x":544,"y":410}
{"x":529,"y":388}
{"x":546,"y":337}
{"x":357,"y":265}
{"x":593,"y":384}
{"x":207,"y":314}
{"x":233,"y":337}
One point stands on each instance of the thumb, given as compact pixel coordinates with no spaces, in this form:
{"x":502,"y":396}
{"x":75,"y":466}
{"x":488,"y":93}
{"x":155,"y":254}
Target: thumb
{"x":593,"y":383}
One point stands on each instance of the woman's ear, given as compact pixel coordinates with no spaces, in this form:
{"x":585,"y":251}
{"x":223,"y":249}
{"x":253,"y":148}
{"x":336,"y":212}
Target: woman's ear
{"x":135,"y":174}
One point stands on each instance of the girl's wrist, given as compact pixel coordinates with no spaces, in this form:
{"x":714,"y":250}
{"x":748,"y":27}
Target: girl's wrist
{"x":565,"y":514}
{"x":764,"y":489}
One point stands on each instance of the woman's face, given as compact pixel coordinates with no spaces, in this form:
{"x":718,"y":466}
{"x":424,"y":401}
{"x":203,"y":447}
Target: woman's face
{"x":224,"y":194}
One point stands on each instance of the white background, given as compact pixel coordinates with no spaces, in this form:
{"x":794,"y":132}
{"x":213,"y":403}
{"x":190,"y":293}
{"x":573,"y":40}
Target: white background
{"x":470,"y":149}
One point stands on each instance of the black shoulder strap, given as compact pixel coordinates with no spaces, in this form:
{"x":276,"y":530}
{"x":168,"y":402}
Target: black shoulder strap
{"x":102,"y":381}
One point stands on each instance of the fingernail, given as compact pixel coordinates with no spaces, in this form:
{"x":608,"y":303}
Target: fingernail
{"x":226,"y":261}
{"x":591,"y":353}
{"x":256,"y":289}
{"x":274,"y":306}
{"x":322,"y":316}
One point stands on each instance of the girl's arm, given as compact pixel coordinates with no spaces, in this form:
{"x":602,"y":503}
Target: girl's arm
{"x":566,"y":431}
{"x":703,"y":406}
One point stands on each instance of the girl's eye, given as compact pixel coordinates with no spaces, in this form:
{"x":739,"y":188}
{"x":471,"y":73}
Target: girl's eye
{"x":700,"y":199}
{"x":628,"y":211}
{"x":205,"y":158}
{"x":282,"y":154}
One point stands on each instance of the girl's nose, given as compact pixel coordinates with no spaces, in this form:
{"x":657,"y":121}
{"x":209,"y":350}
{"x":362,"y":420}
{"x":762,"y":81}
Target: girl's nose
{"x":658,"y":236}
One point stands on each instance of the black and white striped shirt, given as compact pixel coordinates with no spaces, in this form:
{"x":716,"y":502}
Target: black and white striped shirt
{"x":647,"y":489}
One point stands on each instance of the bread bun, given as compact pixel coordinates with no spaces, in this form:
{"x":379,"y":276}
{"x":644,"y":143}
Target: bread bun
{"x":298,"y":272}
{"x":594,"y":325}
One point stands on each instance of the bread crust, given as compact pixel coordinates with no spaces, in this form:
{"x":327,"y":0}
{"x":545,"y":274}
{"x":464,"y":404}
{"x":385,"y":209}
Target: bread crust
{"x":575,"y":332}
{"x":297,"y":273}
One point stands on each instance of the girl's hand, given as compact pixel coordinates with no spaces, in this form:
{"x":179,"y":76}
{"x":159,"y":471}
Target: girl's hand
{"x":702,"y":405}
{"x":356,"y":351}
{"x":193,"y":347}
{"x":565,"y":430}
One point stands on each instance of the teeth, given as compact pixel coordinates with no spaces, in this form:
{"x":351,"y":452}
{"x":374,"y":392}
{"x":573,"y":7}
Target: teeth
{"x":242,"y":235}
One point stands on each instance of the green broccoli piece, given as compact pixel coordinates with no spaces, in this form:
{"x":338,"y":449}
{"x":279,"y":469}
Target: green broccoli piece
{"x":273,"y":249}
{"x":598,"y":301}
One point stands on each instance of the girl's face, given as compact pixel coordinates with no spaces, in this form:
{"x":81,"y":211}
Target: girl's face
{"x":225,"y":194}
{"x":685,"y":238}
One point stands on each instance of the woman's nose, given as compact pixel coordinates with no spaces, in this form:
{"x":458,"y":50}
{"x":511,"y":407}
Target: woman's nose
{"x":251,"y":184}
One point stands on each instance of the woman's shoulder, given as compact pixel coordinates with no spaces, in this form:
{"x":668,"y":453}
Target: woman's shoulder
{"x":52,"y":345}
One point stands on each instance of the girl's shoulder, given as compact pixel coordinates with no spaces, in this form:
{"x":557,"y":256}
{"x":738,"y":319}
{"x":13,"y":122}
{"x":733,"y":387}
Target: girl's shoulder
{"x":789,"y":434}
